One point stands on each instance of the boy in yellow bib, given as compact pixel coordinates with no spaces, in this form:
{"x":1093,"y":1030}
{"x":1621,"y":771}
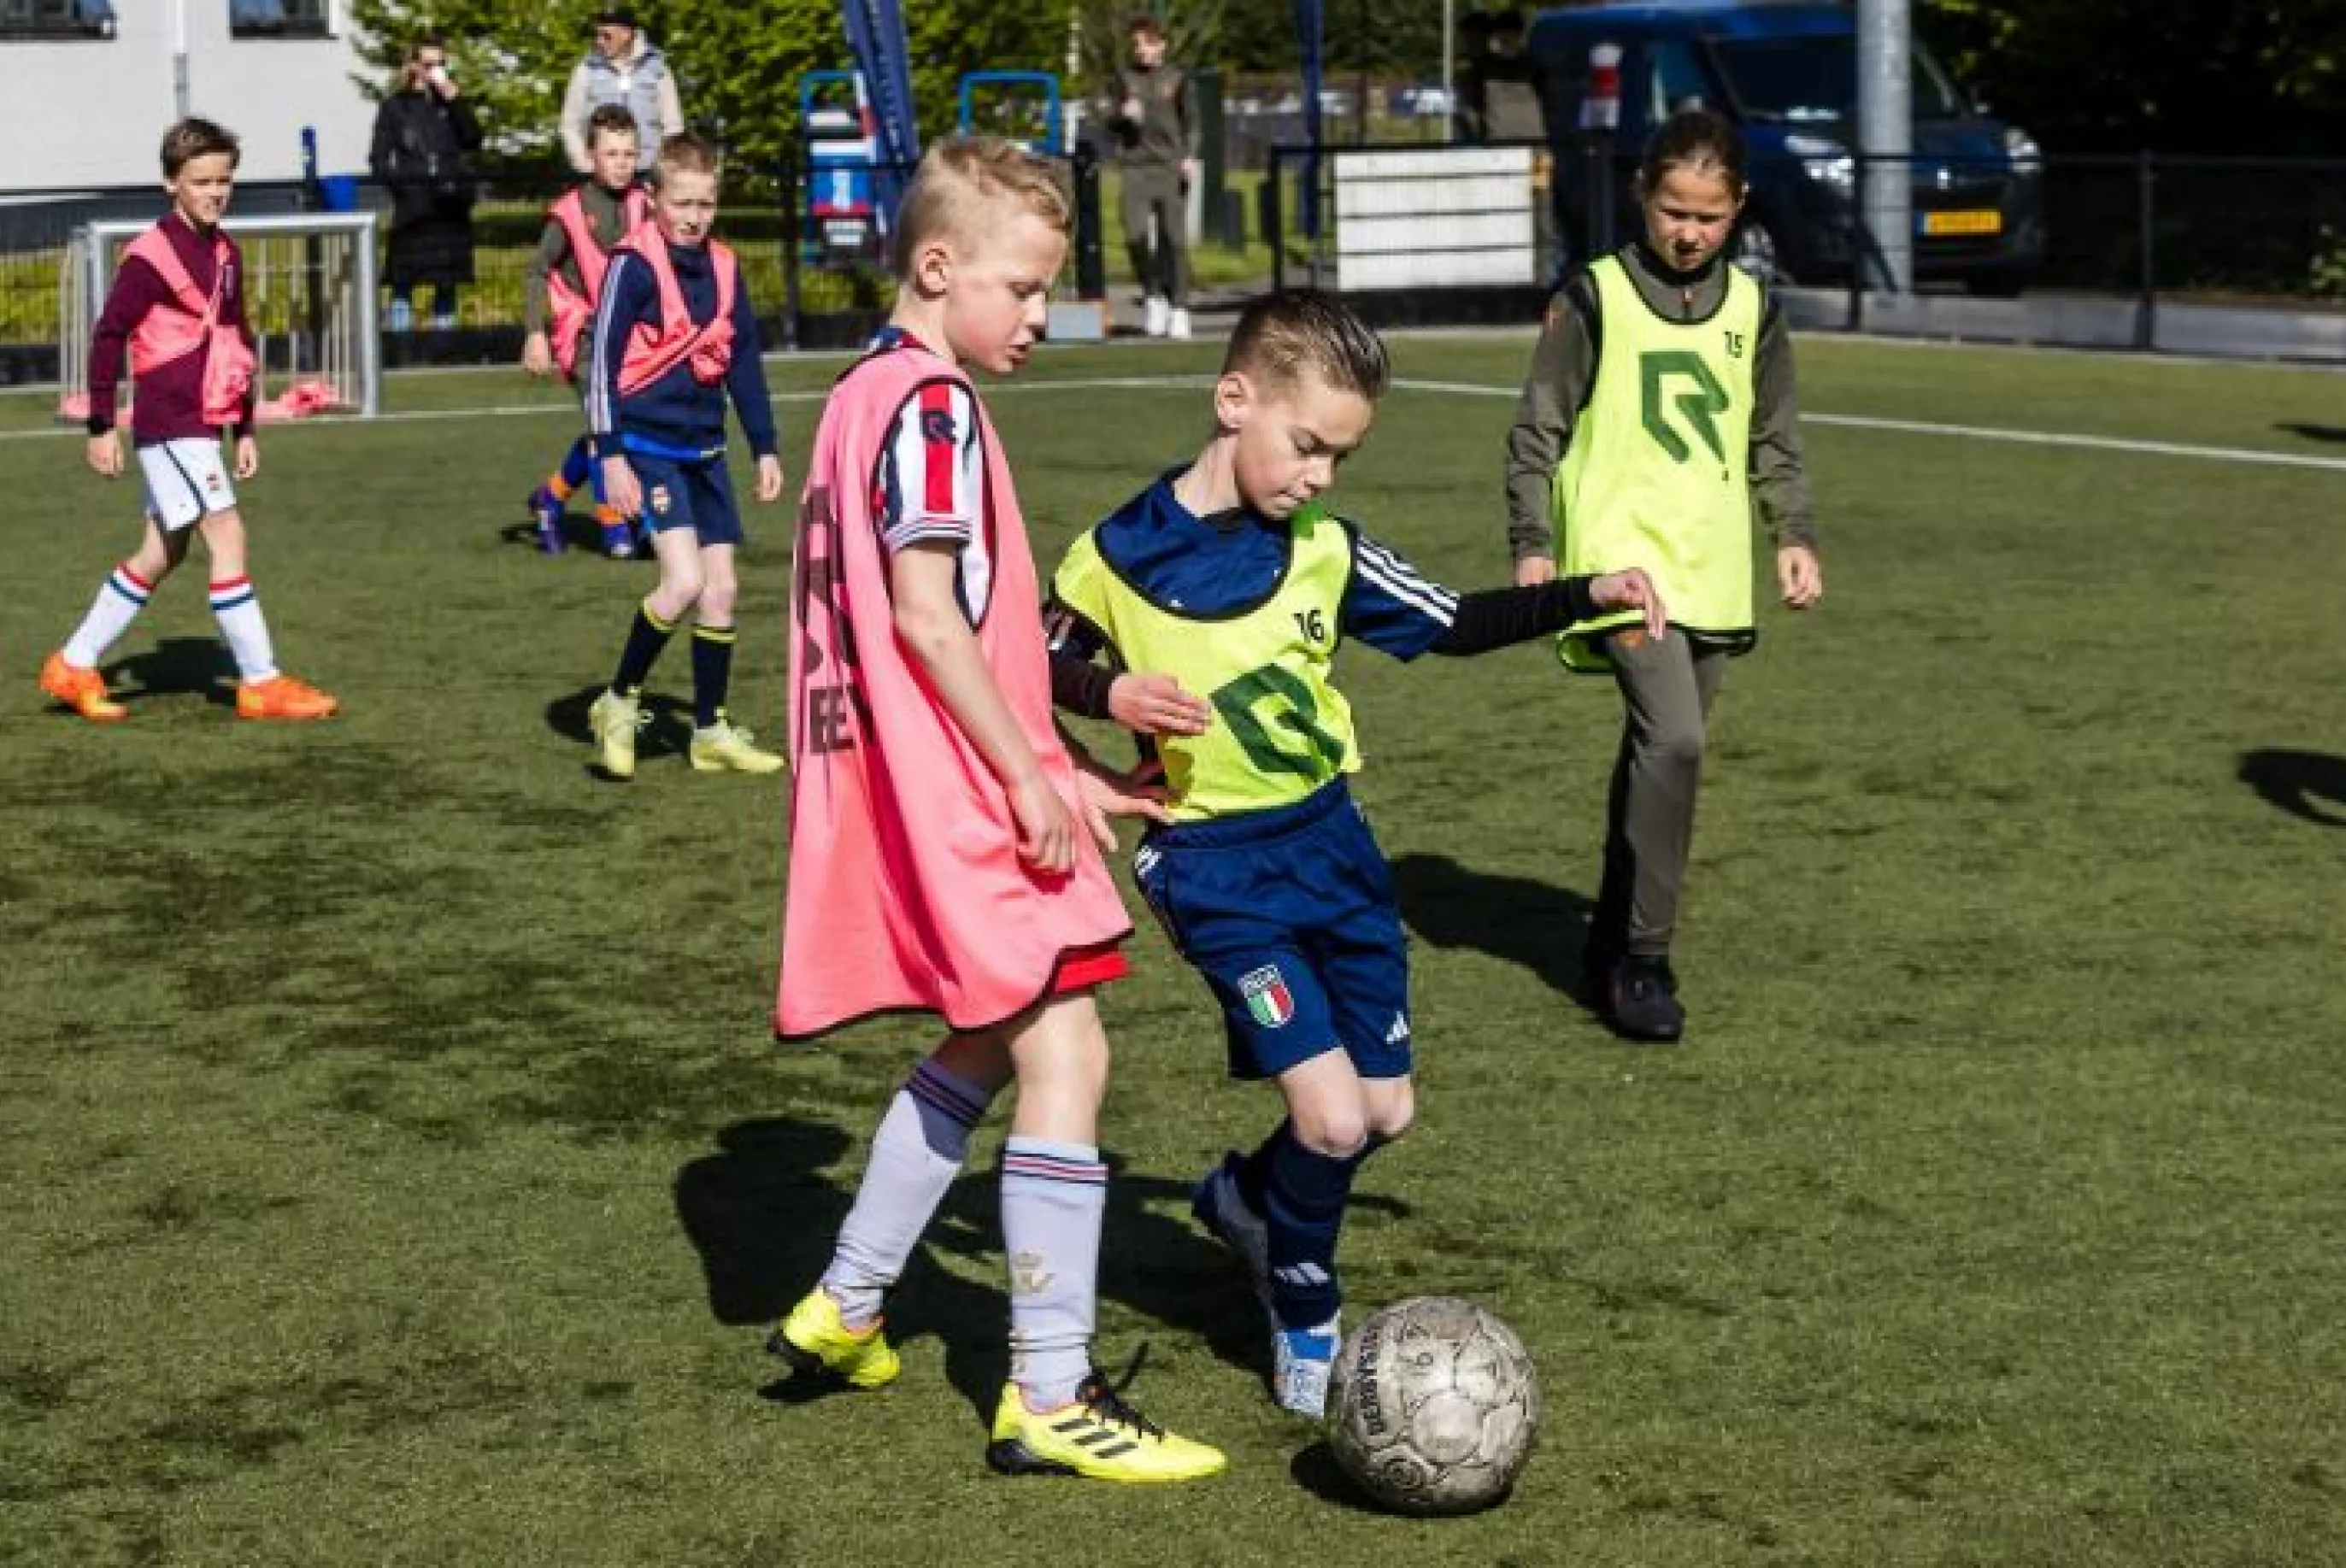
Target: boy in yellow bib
{"x":1230,"y":577}
{"x":1658,"y":409}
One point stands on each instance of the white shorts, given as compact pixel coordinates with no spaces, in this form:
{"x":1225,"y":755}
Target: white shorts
{"x":185,"y":479}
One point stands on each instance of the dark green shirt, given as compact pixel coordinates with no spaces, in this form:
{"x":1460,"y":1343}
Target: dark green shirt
{"x":607,"y":216}
{"x":1167,"y":131}
{"x":1563,"y":370}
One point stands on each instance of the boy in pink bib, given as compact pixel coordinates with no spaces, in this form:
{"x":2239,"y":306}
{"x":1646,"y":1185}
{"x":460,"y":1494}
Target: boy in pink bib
{"x":176,"y":311}
{"x":944,"y":845}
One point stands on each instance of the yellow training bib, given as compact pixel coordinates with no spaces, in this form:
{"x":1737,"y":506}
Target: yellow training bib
{"x":1281,"y":729}
{"x":1657,"y":475}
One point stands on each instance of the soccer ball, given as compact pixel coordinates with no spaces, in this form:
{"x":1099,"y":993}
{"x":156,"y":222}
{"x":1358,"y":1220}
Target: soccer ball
{"x":1434,"y":1407}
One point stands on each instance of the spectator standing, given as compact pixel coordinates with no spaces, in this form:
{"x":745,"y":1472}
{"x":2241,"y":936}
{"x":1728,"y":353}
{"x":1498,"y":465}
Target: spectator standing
{"x":1512,"y":110}
{"x":421,"y":134}
{"x":1152,"y":115}
{"x":624,"y":68}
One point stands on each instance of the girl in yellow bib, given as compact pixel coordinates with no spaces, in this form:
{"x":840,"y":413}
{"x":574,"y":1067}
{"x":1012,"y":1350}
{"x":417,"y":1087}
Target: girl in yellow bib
{"x":1659,"y":408}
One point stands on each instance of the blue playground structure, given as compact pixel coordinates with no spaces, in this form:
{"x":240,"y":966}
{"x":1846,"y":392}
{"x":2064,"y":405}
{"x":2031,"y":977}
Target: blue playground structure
{"x":1022,"y":106}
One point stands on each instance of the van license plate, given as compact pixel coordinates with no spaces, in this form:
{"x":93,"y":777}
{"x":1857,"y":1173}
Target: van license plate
{"x":1988,"y":222}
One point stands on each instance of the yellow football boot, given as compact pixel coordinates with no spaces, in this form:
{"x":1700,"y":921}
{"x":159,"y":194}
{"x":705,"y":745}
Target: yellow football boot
{"x":1098,"y":1437}
{"x":615,"y":720}
{"x":725,"y":748}
{"x":815,"y":1339}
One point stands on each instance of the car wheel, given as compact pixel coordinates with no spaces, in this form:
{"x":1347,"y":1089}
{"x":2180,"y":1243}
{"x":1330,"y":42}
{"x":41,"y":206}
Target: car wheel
{"x":1753,"y":249}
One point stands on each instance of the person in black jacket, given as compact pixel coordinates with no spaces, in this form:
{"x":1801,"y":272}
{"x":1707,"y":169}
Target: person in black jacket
{"x":422,"y":133}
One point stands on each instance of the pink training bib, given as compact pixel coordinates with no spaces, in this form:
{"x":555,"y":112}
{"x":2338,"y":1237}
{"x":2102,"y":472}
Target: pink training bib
{"x":905,"y":888}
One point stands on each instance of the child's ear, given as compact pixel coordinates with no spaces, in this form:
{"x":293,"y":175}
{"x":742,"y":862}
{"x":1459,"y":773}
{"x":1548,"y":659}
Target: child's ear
{"x":932,"y":266}
{"x":1233,"y":400}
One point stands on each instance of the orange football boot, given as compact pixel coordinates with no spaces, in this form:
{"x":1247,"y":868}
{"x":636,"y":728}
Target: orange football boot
{"x":282,"y":697}
{"x":83,"y":690}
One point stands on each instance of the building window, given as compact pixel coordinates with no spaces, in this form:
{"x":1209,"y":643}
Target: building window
{"x":55,"y":19}
{"x":277,"y":18}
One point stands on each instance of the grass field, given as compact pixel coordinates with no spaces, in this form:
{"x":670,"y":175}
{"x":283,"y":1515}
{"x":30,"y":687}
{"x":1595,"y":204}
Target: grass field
{"x":395,"y":1168}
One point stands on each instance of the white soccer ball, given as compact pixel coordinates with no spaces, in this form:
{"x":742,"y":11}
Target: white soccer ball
{"x":1434,"y":1407}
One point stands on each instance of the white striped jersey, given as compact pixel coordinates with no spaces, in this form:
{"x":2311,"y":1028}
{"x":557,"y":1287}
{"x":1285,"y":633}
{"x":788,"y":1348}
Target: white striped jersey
{"x":928,"y":485}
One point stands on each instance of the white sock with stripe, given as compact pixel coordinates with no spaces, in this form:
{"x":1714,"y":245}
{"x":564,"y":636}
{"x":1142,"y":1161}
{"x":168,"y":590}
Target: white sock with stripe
{"x":1053,"y":1198}
{"x":915,"y":1156}
{"x":118,"y":604}
{"x":237,"y":610}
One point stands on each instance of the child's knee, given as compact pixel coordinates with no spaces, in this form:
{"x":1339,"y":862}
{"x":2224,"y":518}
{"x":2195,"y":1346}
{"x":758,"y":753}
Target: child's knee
{"x":675,"y":596}
{"x":1392,"y":1111}
{"x":1675,"y":746}
{"x":1333,"y":1131}
{"x":716,"y":600}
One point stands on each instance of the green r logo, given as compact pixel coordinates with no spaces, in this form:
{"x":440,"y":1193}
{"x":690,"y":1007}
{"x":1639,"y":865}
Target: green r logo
{"x":1268,"y":700}
{"x":1700,"y":405}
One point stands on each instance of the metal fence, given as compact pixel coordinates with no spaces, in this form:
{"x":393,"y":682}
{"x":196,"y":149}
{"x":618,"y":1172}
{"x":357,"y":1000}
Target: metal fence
{"x":812,"y":281}
{"x":2114,"y":252}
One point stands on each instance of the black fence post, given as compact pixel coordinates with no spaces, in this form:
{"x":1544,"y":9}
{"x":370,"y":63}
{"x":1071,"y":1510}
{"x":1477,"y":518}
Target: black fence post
{"x":786,"y":182}
{"x":1091,"y":258}
{"x":1857,"y":245}
{"x":2146,"y":309}
{"x":311,"y":339}
{"x":1274,"y":218}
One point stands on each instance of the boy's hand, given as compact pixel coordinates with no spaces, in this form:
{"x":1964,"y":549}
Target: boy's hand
{"x":1800,"y":575}
{"x":1632,"y":590}
{"x":105,"y":454}
{"x":620,"y":487}
{"x":1106,"y":793}
{"x":1156,"y":704}
{"x":770,"y":479}
{"x":247,"y":457}
{"x":537,"y":355}
{"x":1046,"y":836}
{"x":1534,"y":570}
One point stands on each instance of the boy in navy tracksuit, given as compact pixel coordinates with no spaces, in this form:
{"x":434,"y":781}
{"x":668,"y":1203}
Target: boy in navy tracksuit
{"x":675,"y":336}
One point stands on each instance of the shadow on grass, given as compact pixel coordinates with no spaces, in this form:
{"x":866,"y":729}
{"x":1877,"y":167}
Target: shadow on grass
{"x":198,"y":665}
{"x":669,"y":732}
{"x":763,"y":1214}
{"x":1315,"y":1470}
{"x":2311,"y":785}
{"x":1540,"y":927}
{"x":579,"y":531}
{"x":2313,"y":431}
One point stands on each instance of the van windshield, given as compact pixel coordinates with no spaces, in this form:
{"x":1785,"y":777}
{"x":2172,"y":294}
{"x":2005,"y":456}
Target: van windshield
{"x":1815,"y":79}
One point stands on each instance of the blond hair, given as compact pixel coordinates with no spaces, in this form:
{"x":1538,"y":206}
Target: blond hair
{"x":1281,"y":337}
{"x":967,"y":184}
{"x":687,"y":152}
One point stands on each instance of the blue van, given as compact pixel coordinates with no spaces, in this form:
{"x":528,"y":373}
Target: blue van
{"x":1786,"y":72}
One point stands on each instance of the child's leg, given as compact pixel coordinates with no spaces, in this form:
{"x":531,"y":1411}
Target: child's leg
{"x":125,"y":593}
{"x":1054,"y":1195}
{"x":234,"y":604}
{"x":574,"y":468}
{"x":915,"y":1156}
{"x":444,"y":306}
{"x":712,"y":636}
{"x":656,"y":618}
{"x":1301,"y":1179}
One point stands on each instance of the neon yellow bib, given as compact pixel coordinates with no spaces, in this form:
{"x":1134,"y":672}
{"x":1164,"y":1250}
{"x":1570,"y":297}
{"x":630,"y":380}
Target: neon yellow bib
{"x":1281,"y":729}
{"x":1657,"y":474}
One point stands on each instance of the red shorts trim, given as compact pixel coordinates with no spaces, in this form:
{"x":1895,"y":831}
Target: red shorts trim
{"x":1082,"y":968}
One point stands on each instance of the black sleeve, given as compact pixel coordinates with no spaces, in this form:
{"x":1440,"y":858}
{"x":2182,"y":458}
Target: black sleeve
{"x":1079,"y":684}
{"x":1502,"y":617}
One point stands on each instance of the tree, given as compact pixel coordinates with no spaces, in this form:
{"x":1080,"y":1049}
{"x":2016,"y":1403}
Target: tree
{"x":737,"y":64}
{"x":2251,"y":77}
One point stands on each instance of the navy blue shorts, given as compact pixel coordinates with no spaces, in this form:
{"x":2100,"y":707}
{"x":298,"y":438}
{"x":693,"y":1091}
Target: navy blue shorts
{"x":1291,"y":916}
{"x":687,"y":492}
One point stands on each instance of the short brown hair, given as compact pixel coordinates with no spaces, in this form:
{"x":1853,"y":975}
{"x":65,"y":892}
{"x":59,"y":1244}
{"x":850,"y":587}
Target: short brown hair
{"x":192,"y":138}
{"x":613,"y":118}
{"x":1143,"y":24}
{"x":1281,"y":337}
{"x":961,"y":175}
{"x":687,"y":152}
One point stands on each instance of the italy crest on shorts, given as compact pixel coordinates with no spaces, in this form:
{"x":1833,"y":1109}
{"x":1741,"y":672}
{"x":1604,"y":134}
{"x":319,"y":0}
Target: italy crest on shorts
{"x":1267,"y":996}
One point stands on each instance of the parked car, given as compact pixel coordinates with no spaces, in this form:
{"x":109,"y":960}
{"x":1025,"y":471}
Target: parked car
{"x":1786,"y":72}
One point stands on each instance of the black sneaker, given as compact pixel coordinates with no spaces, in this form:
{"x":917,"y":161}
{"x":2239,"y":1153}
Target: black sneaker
{"x":1643,"y":1003}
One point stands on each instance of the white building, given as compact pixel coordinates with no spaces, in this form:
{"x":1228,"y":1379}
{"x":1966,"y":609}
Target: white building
{"x":87,"y":86}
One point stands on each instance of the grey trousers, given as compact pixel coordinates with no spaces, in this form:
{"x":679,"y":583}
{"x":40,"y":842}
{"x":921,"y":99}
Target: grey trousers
{"x":1667,"y":689}
{"x":1161,"y":265}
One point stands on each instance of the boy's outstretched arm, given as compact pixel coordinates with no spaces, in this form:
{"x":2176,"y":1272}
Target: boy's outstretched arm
{"x":932,"y":626}
{"x":1502,"y":617}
